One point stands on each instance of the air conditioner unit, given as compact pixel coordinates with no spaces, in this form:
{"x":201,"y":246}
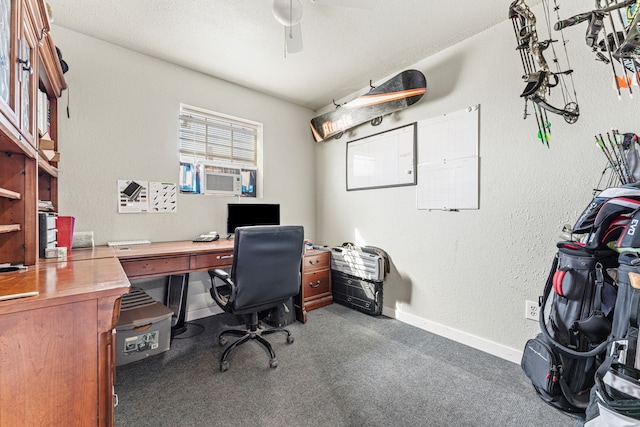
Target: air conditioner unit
{"x":221,"y":180}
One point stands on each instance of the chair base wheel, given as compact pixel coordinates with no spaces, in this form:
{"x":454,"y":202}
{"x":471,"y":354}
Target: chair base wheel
{"x":253,"y":333}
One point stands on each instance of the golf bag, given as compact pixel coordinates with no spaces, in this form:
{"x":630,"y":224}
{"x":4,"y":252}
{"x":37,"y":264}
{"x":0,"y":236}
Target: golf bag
{"x":615,"y":398}
{"x":579,"y":302}
{"x":581,"y":311}
{"x":610,"y":220}
{"x":575,"y":321}
{"x":610,"y":205}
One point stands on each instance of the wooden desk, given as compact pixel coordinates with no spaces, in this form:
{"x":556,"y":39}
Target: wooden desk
{"x":158,"y":259}
{"x":172,"y":258}
{"x":175,"y":260}
{"x":80,"y":254}
{"x":57,"y":349}
{"x":88,"y":253}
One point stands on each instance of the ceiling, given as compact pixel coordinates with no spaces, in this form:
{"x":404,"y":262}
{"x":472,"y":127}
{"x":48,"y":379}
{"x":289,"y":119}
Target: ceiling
{"x":240,"y":40}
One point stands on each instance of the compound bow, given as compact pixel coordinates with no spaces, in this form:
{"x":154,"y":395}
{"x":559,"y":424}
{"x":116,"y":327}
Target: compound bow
{"x":538,"y":76}
{"x":622,"y":44}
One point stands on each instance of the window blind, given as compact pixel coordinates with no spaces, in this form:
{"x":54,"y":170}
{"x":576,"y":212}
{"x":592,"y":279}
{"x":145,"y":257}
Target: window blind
{"x":209,"y":136}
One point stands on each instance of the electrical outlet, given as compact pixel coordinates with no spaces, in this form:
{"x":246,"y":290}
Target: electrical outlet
{"x":531,"y":310}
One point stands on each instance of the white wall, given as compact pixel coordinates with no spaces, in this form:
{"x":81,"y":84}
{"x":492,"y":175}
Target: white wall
{"x":124,"y":125}
{"x":467,"y":274}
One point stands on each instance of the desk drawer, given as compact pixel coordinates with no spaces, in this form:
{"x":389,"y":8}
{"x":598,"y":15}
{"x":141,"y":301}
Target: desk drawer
{"x":316,"y":260}
{"x":316,"y":284}
{"x":217,"y":260}
{"x":155,"y":266}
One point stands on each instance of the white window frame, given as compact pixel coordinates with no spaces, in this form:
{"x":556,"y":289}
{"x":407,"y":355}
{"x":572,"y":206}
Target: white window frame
{"x":222,"y":148}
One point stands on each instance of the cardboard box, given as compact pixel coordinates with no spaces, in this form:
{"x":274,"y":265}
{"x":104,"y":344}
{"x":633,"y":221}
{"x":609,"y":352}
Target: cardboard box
{"x":144,"y":328}
{"x":52,"y":156}
{"x":46,"y":143}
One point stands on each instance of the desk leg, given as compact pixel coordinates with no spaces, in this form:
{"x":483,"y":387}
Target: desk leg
{"x":177,"y":291}
{"x":298,"y":305}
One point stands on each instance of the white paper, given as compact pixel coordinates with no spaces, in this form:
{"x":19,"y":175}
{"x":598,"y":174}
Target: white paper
{"x":162,"y":197}
{"x":137,"y":205}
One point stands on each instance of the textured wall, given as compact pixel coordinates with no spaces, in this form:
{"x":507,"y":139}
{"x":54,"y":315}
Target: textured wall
{"x":467,"y":274}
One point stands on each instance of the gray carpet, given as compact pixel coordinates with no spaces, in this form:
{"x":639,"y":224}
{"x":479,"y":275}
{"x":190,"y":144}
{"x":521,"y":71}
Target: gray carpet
{"x":344,"y":369}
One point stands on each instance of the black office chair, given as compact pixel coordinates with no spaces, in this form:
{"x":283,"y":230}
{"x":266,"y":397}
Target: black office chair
{"x":265,"y":273}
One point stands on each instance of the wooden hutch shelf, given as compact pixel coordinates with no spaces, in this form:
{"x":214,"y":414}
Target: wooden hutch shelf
{"x":32,"y":78}
{"x":47,"y":168}
{"x":57,"y":318}
{"x":9,"y":228}
{"x":8,"y":194}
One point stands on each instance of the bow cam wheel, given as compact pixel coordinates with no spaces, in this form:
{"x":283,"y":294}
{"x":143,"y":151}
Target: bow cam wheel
{"x":573,"y":112}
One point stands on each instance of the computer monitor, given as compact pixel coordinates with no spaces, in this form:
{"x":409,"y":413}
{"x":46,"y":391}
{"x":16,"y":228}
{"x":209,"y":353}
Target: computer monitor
{"x":242,"y":215}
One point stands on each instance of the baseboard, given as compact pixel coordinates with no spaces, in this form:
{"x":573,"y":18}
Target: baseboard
{"x":465,"y":338}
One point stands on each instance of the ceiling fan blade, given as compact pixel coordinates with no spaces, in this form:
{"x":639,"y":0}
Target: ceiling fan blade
{"x":357,"y":4}
{"x":293,"y":37}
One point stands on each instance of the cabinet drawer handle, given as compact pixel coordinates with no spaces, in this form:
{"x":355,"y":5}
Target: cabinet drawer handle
{"x":316,"y":285}
{"x":224,"y":256}
{"x":316,"y":261}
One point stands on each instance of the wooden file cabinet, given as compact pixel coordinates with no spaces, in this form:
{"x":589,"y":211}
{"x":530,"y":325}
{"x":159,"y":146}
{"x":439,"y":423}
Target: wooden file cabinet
{"x":315,"y":291}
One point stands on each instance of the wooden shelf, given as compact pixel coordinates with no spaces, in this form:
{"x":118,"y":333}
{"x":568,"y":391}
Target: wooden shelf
{"x":46,"y":167}
{"x":26,"y":174}
{"x":9,"y":194}
{"x":9,"y":228}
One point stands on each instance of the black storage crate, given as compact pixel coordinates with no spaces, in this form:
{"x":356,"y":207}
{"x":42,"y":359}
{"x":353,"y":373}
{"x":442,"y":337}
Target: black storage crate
{"x":362,"y":295}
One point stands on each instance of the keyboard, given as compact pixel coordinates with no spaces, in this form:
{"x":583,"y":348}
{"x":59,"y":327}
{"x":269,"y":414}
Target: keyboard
{"x":128,"y":242}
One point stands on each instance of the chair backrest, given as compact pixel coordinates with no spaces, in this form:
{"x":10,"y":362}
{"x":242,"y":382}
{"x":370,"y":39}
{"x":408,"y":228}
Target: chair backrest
{"x":266,"y":266}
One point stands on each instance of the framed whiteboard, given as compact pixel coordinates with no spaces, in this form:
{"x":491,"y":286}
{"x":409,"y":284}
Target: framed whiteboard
{"x":448,"y":164}
{"x":386,"y":159}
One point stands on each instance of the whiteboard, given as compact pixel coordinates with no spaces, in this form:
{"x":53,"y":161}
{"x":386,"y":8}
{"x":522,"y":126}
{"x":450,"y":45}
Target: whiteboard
{"x":458,"y":178}
{"x":448,"y":161}
{"x":386,"y":159}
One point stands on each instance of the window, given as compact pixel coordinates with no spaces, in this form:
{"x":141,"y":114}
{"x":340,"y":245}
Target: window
{"x":208,"y":136}
{"x":217,"y":142}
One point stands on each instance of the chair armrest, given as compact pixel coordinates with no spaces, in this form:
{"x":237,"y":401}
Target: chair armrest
{"x":223,"y":275}
{"x":222,"y":300}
